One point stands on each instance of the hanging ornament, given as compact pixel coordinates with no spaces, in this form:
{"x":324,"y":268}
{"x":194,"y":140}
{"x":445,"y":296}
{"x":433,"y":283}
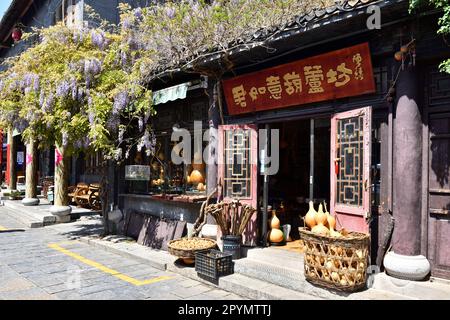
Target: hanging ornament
{"x":398,"y":56}
{"x":16,"y":34}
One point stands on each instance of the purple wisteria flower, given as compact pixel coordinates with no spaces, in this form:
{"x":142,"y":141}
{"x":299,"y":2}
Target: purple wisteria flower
{"x":141,"y":124}
{"x":78,"y":35}
{"x":49,"y":103}
{"x":121,"y":133}
{"x":91,"y":117}
{"x":65,"y":138}
{"x":74,"y":89}
{"x":92,"y":67}
{"x":80,"y":94}
{"x":170,"y":12}
{"x":41,"y":99}
{"x":117,"y":154}
{"x":62,"y":90}
{"x":138,"y":13}
{"x":148,"y":141}
{"x":20,"y":125}
{"x":126,"y":23}
{"x":121,"y":100}
{"x":28,"y":80}
{"x":98,"y":39}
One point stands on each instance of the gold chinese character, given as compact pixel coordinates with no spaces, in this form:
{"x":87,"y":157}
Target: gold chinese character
{"x":239,"y":96}
{"x":342,"y":74}
{"x":314,"y":78}
{"x":254,"y":92}
{"x":274,"y":87}
{"x":357,"y":59}
{"x":293,"y":83}
{"x":359,"y":75}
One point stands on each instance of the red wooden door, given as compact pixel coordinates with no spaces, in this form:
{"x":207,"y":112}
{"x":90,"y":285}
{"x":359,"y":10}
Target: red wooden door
{"x":439,"y":195}
{"x":350,"y":168}
{"x":237,"y":169}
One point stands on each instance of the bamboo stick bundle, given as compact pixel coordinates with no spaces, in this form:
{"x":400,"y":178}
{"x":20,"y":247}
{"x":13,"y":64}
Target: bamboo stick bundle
{"x":247,"y":213}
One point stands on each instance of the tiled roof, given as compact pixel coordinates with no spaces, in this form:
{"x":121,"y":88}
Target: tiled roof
{"x":301,"y":23}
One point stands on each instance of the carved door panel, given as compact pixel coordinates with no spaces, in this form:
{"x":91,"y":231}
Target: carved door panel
{"x":237,"y":169}
{"x":350,"y":168}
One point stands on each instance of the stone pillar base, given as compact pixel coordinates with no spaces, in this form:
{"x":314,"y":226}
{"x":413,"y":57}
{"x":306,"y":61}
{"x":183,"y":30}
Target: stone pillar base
{"x":62,"y":213}
{"x":30,"y":201}
{"x":406,"y":267}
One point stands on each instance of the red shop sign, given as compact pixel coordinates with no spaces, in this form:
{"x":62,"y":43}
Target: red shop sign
{"x":338,"y":74}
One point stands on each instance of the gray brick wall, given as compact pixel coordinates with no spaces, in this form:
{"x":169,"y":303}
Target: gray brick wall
{"x":42,"y":14}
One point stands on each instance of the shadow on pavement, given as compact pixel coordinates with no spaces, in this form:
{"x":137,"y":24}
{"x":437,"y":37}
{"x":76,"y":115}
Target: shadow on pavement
{"x":12,"y":230}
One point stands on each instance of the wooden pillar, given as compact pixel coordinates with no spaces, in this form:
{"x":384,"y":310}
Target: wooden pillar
{"x":407,"y":165}
{"x":405,"y":260}
{"x":214,"y":121}
{"x":61,"y":209}
{"x":61,"y":176}
{"x":31,"y":175}
{"x":12,"y":158}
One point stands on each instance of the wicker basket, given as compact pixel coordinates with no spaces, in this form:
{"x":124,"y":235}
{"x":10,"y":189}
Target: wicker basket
{"x":188,"y":255}
{"x":336,"y":263}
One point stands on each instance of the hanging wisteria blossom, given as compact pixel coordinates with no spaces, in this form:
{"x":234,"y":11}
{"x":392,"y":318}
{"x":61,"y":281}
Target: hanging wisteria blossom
{"x":121,"y":101}
{"x":62,"y":90}
{"x":98,"y":39}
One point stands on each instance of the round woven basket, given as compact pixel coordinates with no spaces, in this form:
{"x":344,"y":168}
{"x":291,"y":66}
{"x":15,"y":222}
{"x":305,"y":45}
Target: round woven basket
{"x":336,"y":263}
{"x":189,"y":254}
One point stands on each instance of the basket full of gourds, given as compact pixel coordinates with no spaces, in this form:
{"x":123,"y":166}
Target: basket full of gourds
{"x":333,"y":259}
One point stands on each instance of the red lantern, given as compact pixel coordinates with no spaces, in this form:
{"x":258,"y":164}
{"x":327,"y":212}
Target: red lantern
{"x":16,"y":34}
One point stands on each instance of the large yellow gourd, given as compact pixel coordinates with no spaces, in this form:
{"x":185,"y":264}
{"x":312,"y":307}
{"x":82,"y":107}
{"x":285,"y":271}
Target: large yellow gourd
{"x":320,"y":219}
{"x":310,"y":217}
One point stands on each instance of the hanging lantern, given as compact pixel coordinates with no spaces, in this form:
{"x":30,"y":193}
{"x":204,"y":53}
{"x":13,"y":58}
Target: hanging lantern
{"x":16,"y":34}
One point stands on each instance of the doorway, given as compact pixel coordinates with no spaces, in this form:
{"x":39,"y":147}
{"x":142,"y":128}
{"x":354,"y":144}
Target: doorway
{"x":304,"y":171}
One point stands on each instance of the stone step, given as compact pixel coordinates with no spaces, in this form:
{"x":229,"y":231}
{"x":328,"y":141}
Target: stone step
{"x":423,"y":290}
{"x":31,"y":218}
{"x":286,"y":269}
{"x":244,"y":286}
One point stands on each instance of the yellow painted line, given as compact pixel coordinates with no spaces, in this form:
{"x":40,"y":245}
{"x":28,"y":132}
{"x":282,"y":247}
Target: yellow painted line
{"x":105,"y":269}
{"x":3,"y":228}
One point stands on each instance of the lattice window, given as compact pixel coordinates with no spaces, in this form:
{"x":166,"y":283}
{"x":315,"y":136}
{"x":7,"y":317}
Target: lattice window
{"x":350,"y":152}
{"x":237,"y":154}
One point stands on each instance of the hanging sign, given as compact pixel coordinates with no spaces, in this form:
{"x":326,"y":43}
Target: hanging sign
{"x":58,"y":157}
{"x":343,"y":73}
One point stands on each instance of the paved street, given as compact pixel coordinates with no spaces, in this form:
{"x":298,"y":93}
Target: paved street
{"x":44,"y":263}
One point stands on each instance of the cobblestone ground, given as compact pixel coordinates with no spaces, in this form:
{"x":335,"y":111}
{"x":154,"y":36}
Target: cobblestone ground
{"x":45,"y":264}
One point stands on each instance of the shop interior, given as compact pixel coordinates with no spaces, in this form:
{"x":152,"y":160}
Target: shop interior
{"x":304,"y":175}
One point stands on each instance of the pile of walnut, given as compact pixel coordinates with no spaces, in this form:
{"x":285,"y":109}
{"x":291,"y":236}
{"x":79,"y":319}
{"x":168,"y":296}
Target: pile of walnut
{"x":192,"y":244}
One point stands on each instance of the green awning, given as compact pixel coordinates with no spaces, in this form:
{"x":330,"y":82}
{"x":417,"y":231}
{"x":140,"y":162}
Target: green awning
{"x":170,"y":94}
